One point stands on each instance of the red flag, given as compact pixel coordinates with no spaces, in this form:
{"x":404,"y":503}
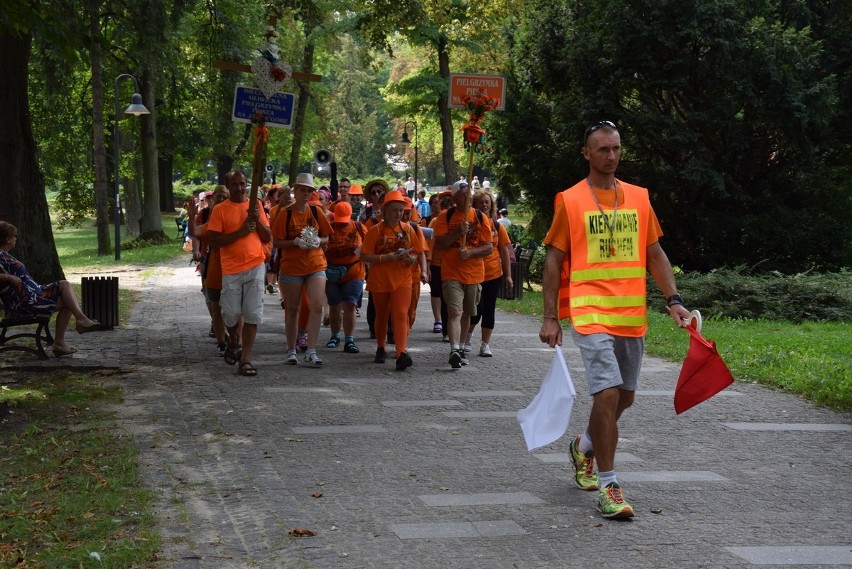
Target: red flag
{"x":703,"y":375}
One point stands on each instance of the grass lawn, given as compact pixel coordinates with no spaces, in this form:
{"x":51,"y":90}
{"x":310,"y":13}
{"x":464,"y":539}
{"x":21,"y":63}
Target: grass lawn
{"x":812,"y":359}
{"x":71,"y":494}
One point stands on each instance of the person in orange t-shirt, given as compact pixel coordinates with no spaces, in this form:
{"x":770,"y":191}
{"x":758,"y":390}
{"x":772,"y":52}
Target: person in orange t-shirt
{"x":390,"y":248}
{"x":370,"y":216}
{"x":302,"y":265}
{"x":344,"y":276}
{"x":419,"y":270}
{"x":464,"y":243}
{"x":211,"y":271}
{"x":240,"y":234}
{"x":437,"y":203}
{"x":497,"y":272}
{"x":608,"y":233}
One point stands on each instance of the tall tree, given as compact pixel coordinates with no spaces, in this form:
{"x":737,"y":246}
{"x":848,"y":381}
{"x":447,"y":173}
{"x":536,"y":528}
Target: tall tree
{"x":723,"y":112}
{"x":22,"y":197}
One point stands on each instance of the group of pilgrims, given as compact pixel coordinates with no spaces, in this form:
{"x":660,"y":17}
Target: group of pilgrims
{"x":321,"y":255}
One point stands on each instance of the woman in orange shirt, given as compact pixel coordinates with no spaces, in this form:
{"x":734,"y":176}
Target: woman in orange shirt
{"x":420,"y":269}
{"x":211,"y":271}
{"x":390,"y":248}
{"x":302,"y":265}
{"x":345,"y":276}
{"x":497,"y":270}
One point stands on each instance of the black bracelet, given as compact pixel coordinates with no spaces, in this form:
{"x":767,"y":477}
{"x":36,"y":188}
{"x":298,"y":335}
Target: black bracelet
{"x":673,"y":300}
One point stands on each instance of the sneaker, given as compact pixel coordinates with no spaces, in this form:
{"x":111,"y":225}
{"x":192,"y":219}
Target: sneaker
{"x":269,"y":289}
{"x":211,"y":333}
{"x":403,"y":361}
{"x":221,"y":349}
{"x":291,"y":358}
{"x":314,"y":359}
{"x":611,"y":503}
{"x":446,"y":339}
{"x":485,"y":351}
{"x":437,"y":328}
{"x":302,"y":341}
{"x":467,"y":341}
{"x":381,"y":356}
{"x":584,"y":467}
{"x":333,"y":342}
{"x":456,"y":358}
{"x":464,"y":360}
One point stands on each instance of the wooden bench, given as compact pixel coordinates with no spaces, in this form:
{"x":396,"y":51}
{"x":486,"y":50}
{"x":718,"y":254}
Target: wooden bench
{"x":41,"y":335}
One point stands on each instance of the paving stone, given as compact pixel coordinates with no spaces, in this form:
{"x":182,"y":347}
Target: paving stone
{"x":788,"y":426}
{"x":485,"y":499}
{"x":236,"y":463}
{"x":427,"y":403}
{"x":795,"y":555}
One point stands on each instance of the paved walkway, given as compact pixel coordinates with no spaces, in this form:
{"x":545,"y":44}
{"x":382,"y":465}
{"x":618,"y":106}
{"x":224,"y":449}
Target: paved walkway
{"x":427,"y":468}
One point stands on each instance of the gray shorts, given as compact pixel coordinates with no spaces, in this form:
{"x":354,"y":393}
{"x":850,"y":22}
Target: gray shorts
{"x":610,"y":361}
{"x":242,"y":294}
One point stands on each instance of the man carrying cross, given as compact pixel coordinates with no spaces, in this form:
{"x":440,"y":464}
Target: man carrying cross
{"x":240,"y":232}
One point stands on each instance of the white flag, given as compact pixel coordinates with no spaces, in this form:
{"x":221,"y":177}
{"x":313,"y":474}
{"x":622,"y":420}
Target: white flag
{"x":547,"y":416}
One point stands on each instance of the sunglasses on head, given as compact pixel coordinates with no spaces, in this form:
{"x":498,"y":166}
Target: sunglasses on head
{"x":598,"y":125}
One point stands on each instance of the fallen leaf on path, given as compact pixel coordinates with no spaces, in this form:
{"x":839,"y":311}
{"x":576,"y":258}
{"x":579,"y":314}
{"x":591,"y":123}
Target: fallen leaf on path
{"x":302,"y":532}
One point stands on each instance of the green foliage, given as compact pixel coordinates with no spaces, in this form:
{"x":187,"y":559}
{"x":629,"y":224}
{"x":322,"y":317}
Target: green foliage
{"x":725,"y":109}
{"x":743,"y":294}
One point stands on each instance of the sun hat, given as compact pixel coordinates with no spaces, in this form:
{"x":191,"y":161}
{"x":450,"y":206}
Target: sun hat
{"x":355,"y":189}
{"x":315,"y":199}
{"x":409,"y":206}
{"x":304,"y":179}
{"x":342,"y":212}
{"x":393,"y":196}
{"x":377,"y":182}
{"x":445,"y":194}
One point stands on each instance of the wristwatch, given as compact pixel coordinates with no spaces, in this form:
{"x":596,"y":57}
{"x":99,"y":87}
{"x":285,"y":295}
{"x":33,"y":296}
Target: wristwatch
{"x":673,"y":300}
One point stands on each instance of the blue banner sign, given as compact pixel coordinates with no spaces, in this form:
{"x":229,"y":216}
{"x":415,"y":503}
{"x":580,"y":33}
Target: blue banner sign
{"x":277,"y":109}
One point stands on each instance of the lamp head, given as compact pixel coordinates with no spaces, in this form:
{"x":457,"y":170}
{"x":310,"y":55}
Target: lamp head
{"x":136,"y":107}
{"x":404,"y":140}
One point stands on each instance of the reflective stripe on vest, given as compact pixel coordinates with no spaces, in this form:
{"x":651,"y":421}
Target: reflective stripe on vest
{"x":603,"y":293}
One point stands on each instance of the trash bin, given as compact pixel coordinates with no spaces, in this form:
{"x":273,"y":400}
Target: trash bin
{"x":520,"y":270}
{"x":100,"y":300}
{"x":516,"y":292}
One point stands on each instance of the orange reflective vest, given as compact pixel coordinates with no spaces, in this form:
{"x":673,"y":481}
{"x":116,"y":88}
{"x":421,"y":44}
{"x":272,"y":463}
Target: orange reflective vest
{"x":603,"y":278}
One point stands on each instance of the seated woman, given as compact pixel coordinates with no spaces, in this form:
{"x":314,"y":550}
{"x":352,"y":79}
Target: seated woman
{"x":22,"y":296}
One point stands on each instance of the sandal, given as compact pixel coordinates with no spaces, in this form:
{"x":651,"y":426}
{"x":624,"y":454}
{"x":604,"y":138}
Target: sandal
{"x":92,"y":326}
{"x":232,"y":354}
{"x":246,"y":369}
{"x":333,"y":342}
{"x":59,"y":351}
{"x":350,"y":348}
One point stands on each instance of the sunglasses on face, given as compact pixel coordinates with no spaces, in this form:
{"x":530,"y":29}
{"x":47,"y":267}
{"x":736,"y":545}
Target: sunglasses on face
{"x":376,"y":193}
{"x":598,"y":125}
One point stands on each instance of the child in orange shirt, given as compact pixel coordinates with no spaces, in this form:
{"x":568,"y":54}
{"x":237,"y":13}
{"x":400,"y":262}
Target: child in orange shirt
{"x":391,"y":247}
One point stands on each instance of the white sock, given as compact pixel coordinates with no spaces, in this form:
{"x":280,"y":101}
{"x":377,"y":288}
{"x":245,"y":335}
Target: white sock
{"x":456,"y":346}
{"x":607,"y":478}
{"x":585,"y":444}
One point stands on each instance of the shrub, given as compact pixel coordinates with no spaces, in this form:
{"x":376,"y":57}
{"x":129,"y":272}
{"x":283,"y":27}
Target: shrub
{"x":739,"y":294}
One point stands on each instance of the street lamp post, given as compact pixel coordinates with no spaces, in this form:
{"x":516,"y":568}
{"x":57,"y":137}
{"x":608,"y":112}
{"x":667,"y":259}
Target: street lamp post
{"x":404,"y":140}
{"x":136,"y":108}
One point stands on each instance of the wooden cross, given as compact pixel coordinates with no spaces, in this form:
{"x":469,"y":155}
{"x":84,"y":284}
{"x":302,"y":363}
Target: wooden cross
{"x":260,"y":132}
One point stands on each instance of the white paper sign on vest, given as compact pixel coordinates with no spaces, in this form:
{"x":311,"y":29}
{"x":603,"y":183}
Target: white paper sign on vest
{"x":546,"y":418}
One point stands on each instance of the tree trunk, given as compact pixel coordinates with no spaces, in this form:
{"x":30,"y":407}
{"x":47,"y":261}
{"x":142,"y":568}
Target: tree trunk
{"x":447,"y":148}
{"x":133,"y":201}
{"x":22,"y":199}
{"x":301,"y":110}
{"x":167,"y":190}
{"x":151,"y":225}
{"x":102,"y":193}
